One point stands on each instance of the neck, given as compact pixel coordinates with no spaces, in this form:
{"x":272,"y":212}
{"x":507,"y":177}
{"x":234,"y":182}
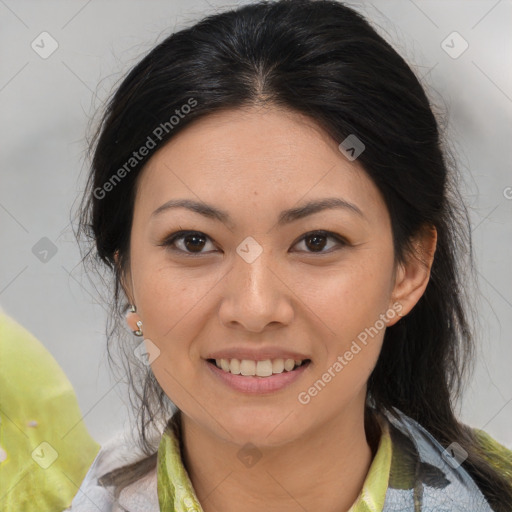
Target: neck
{"x":322,"y":470}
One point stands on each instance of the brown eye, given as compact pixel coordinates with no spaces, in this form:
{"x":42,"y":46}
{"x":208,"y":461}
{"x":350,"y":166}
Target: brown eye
{"x":316,"y":241}
{"x":194,"y":242}
{"x":191,"y":242}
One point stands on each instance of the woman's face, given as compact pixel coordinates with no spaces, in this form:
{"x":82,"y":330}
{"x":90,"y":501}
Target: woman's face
{"x":261,"y":281}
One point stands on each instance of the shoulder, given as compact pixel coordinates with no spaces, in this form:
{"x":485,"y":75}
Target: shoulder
{"x":141,"y":495}
{"x":421,"y":464}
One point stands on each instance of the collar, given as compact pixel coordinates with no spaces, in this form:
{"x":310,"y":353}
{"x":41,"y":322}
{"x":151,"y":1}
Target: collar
{"x":410,"y":471}
{"x":176,"y":492}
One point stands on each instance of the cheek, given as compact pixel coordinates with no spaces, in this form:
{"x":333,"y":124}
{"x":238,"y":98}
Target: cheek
{"x":171,"y":318}
{"x":350,"y":302}
{"x":170,"y":295}
{"x":174,"y":307}
{"x":350,"y":343}
{"x":351,"y":297}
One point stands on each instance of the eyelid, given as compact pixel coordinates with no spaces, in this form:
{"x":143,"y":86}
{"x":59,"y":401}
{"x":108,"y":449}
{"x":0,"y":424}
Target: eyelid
{"x":177,"y":235}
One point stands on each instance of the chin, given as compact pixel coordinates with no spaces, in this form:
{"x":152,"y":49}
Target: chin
{"x":258,"y":425}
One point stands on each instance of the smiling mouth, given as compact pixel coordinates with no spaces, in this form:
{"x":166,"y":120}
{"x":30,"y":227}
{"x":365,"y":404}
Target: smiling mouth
{"x":262,"y":369}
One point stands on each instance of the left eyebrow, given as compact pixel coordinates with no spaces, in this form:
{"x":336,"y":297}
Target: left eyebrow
{"x":293,"y":214}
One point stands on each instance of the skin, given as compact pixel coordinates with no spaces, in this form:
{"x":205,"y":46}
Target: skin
{"x":254,"y":163}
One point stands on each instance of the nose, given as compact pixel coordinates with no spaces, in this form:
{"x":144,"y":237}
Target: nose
{"x":256,"y":296}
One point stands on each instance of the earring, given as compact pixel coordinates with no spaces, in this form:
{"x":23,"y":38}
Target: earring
{"x":138,"y":332}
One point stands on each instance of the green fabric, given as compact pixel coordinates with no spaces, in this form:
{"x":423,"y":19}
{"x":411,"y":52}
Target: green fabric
{"x":176,"y":493}
{"x":38,"y":405}
{"x":496,"y":454}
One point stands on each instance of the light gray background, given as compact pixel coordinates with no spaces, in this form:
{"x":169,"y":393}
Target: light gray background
{"x":46,"y":105}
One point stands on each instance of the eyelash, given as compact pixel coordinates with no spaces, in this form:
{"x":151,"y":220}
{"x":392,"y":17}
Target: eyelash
{"x":180,"y":235}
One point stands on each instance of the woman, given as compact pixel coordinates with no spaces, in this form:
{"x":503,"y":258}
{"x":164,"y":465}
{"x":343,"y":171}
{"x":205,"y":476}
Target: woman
{"x":270,"y":191}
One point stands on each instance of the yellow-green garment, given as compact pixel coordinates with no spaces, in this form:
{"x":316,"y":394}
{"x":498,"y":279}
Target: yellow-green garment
{"x":45,"y":448}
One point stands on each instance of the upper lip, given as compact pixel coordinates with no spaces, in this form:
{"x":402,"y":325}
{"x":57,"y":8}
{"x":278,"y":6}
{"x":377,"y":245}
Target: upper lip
{"x":256,"y":355}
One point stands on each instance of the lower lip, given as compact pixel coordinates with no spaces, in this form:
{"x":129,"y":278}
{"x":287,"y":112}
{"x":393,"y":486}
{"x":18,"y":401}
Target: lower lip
{"x":258,"y":385}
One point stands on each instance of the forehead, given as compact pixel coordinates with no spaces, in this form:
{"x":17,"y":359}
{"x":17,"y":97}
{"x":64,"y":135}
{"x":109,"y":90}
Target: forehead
{"x":261,"y":155}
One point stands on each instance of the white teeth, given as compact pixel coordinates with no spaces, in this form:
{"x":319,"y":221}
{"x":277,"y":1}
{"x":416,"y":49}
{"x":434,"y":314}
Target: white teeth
{"x":247,"y":367}
{"x":289,"y":364}
{"x":234,"y":367}
{"x":277,"y":366}
{"x":264,"y":368}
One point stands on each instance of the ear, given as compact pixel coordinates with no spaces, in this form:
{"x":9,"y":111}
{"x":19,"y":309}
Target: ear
{"x":131,"y":318}
{"x":413,"y":275}
{"x":124,"y":278}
